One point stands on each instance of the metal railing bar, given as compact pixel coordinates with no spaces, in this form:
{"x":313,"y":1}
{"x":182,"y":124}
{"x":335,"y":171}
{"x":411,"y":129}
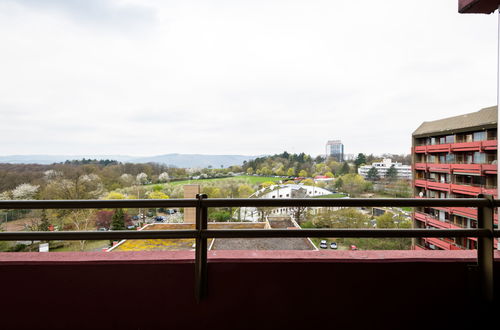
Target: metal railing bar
{"x":364,"y":233}
{"x":95,"y":235}
{"x":241,"y":202}
{"x":341,"y":202}
{"x":242,"y":233}
{"x":201,"y":252}
{"x":97,"y":204}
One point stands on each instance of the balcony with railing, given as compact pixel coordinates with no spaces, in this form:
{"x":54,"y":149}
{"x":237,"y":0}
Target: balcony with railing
{"x":247,"y":289}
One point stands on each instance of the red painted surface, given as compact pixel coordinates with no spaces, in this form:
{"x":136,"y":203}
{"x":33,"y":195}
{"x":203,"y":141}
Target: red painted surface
{"x":489,"y":145}
{"x":438,"y":186}
{"x":421,"y":183}
{"x":466,"y":168}
{"x":247,"y":290}
{"x":438,"y":148}
{"x":466,"y":146}
{"x":421,"y":166}
{"x":420,"y":149}
{"x":490,"y":168}
{"x":441,"y":168}
{"x":463,"y":189}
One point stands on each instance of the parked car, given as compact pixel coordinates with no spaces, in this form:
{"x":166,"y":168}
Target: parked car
{"x":323,"y":244}
{"x":354,"y":247}
{"x":333,"y":245}
{"x":159,"y":219}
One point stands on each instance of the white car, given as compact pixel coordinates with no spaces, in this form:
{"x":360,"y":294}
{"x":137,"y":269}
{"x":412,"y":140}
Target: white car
{"x":323,"y":244}
{"x":333,"y":245}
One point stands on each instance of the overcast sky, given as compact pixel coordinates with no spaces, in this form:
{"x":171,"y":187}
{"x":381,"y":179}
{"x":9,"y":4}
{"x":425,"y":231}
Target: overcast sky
{"x":236,"y":77}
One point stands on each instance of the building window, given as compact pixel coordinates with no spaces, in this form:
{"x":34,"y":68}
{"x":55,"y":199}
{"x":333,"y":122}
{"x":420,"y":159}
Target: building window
{"x":479,"y":158}
{"x":450,"y":158}
{"x":450,"y":138}
{"x":479,"y":136}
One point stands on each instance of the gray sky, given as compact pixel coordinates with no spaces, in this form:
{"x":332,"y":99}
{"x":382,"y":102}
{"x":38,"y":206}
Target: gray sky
{"x":236,"y":77}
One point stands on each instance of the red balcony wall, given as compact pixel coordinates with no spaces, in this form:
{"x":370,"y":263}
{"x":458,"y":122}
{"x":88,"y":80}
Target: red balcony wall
{"x":466,"y":168}
{"x":247,"y":290}
{"x":421,"y":183}
{"x":438,"y":186}
{"x":463,"y":189}
{"x":490,"y":168}
{"x":466,"y":146}
{"x":420,"y":149}
{"x":421,"y":166}
{"x":489,"y":144}
{"x":441,"y":168}
{"x":438,"y":148}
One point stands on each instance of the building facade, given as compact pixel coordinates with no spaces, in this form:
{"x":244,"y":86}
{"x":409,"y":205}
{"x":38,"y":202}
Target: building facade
{"x":403,"y":171}
{"x":335,"y":149}
{"x":454,"y":157}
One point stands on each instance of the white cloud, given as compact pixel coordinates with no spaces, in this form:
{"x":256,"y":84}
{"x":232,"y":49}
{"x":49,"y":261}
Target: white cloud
{"x":142,"y":78}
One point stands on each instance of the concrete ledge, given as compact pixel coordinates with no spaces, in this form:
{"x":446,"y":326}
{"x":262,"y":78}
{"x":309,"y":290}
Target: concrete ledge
{"x":161,"y":257}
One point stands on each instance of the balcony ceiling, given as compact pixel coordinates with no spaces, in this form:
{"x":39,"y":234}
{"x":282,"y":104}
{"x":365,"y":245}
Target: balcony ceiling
{"x":477,"y":6}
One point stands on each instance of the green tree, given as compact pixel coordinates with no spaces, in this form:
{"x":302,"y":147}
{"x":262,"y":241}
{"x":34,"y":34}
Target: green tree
{"x":290,"y":172}
{"x":345,"y":168}
{"x":360,"y":160}
{"x":392,"y":173}
{"x":354,"y":184}
{"x":372,"y":174}
{"x":245,"y":191}
{"x":44,"y":221}
{"x":118,"y":220}
{"x":303,"y":173}
{"x":250,"y":171}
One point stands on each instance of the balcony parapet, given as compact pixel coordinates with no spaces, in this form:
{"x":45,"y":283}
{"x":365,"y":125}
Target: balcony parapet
{"x":429,"y":220}
{"x":458,"y":168}
{"x":487,"y":145}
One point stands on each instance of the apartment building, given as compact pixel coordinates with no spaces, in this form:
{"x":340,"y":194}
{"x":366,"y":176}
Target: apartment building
{"x":454,"y":157}
{"x":403,"y":171}
{"x":335,"y":149}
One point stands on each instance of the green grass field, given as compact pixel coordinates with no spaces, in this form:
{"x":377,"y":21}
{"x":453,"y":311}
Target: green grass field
{"x":249,"y":178}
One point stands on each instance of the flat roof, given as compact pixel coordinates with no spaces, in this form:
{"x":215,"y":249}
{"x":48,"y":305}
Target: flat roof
{"x":179,"y":244}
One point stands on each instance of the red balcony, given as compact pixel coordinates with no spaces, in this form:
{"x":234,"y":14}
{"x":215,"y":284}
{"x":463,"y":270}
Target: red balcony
{"x":442,"y":168}
{"x":469,"y":212}
{"x":420,"y":149}
{"x":429,"y":220}
{"x":490,"y":168}
{"x":489,"y":144}
{"x":438,"y":186}
{"x":466,"y":146}
{"x":466,"y":168}
{"x":421,"y":183}
{"x":490,"y":191}
{"x":438,"y":148}
{"x":421,"y":166}
{"x":439,"y":243}
{"x":467,"y":190}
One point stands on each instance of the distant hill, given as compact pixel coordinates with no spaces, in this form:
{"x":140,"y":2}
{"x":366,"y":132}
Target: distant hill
{"x":178,"y":160}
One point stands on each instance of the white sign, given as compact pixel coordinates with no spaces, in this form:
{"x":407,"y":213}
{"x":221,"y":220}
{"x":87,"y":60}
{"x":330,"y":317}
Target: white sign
{"x":43,"y":247}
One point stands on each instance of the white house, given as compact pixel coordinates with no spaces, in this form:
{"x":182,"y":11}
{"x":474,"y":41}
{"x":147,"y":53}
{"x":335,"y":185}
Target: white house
{"x":280,"y":191}
{"x":403,"y":171}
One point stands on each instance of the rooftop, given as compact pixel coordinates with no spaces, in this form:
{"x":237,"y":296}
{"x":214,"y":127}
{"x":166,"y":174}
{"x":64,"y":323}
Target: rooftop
{"x":179,"y":244}
{"x":484,"y":118}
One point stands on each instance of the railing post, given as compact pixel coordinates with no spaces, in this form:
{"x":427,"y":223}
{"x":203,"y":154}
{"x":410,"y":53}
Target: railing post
{"x":485,"y":257}
{"x":201,"y":249}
